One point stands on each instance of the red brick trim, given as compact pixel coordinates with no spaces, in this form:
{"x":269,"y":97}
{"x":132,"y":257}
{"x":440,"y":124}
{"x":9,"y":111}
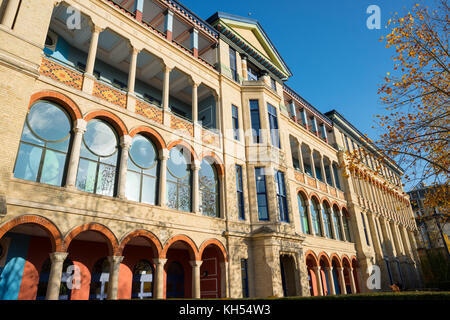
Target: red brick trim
{"x":313,"y":194}
{"x":150,"y":237}
{"x":151,"y":134}
{"x":325,"y":256}
{"x":184,"y":144}
{"x":325,"y":199}
{"x":194,"y":251}
{"x":112,"y":243}
{"x":53,"y":96}
{"x":335,"y":257}
{"x":355,"y":262}
{"x":217,"y":162}
{"x":48,"y":226}
{"x":346,"y":258}
{"x":216,"y":243}
{"x":335,"y":204}
{"x":346,"y":210}
{"x":311,"y":253}
{"x":109,"y":117}
{"x":302,"y":190}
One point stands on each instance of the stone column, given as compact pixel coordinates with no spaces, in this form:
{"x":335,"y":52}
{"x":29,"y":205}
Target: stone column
{"x":319,"y":280}
{"x":163,"y":157}
{"x":10,"y":13}
{"x":329,"y":271}
{"x":125,"y":145}
{"x":93,"y":50}
{"x":113,"y":283}
{"x":194,"y":103}
{"x":341,"y":225}
{"x":352,"y":280}
{"x":54,"y":279}
{"x":300,"y":157}
{"x":322,"y":224}
{"x":313,"y":167}
{"x":333,"y":179}
{"x":72,"y":169}
{"x":308,"y":211}
{"x":159,"y":281}
{"x":165,"y":95}
{"x":132,"y":71}
{"x":333,"y":226}
{"x":195,"y":187}
{"x":196,"y":278}
{"x":342,"y":280}
{"x":244,"y":67}
{"x":322,"y":169}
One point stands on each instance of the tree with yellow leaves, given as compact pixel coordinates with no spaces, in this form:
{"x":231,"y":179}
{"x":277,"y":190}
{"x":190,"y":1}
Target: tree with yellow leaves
{"x":416,"y":96}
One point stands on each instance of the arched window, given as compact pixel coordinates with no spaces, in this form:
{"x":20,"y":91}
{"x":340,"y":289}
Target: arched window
{"x":142,"y":280}
{"x":337,"y":223}
{"x":315,"y":216}
{"x":98,"y":159}
{"x":44,"y":144}
{"x":326,"y":216}
{"x":303,"y":210}
{"x":209,"y":189}
{"x":346,"y":226}
{"x":179,"y":180}
{"x":142,"y":176}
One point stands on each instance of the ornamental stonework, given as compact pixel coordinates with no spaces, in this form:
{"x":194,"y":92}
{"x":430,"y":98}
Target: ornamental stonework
{"x":149,"y":111}
{"x":180,"y":124}
{"x":109,"y":94}
{"x":60,"y":73}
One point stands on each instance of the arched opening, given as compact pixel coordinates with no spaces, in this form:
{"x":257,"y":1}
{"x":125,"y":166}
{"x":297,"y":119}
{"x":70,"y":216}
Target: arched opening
{"x":347,"y":275}
{"x":287,"y":270}
{"x":324,"y":274}
{"x":137,"y":269}
{"x":311,"y":264}
{"x":93,"y":264}
{"x":307,"y":160}
{"x":207,"y":108}
{"x":26,"y":247}
{"x":337,"y":284}
{"x":355,"y":267}
{"x":175,"y":274}
{"x":315,"y":217}
{"x":99,"y":159}
{"x":44,"y":145}
{"x":143,"y":171}
{"x":346,"y":225}
{"x":326,"y":216}
{"x":212,"y":272}
{"x":179,"y":180}
{"x":303,"y":211}
{"x":209,"y":186}
{"x":337,"y":223}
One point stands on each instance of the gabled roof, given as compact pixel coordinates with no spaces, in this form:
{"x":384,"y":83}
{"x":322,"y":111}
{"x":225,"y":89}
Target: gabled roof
{"x":249,"y":35}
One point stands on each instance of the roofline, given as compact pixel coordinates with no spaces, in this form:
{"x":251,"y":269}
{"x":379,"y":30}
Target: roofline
{"x":371,"y":145}
{"x":220,"y":14}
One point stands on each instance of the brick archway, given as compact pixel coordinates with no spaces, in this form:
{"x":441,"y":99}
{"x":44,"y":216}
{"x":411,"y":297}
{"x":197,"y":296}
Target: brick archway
{"x":60,"y":99}
{"x":150,"y":237}
{"x":151,"y":134}
{"x":48,"y":226}
{"x":186,"y":145}
{"x":109,"y":117}
{"x":111,"y":242}
{"x":215,"y":161}
{"x":188,"y":241}
{"x":216,"y":243}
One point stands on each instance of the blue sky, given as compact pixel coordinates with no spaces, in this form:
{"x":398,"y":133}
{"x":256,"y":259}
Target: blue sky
{"x":336,"y":61}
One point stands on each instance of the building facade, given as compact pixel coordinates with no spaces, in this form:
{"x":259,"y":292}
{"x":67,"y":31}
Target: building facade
{"x":149,"y":153}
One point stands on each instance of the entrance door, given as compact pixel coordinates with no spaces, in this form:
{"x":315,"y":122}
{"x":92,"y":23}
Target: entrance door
{"x":175,"y":281}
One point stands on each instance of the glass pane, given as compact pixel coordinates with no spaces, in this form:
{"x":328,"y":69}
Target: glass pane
{"x":207,"y":176}
{"x":105,"y":180}
{"x":184,"y":199}
{"x":149,"y":190}
{"x":100,"y":138}
{"x":209,"y":204}
{"x":53,"y":169}
{"x":263,"y":213}
{"x":143,"y":152}
{"x":132,"y":166}
{"x":42,"y":119}
{"x":28,"y":136}
{"x":133,"y":186}
{"x":110,"y":160}
{"x":171,"y":195}
{"x":27,"y":163}
{"x":86,"y":175}
{"x":177,"y":164}
{"x":60,"y":146}
{"x":85,"y":153}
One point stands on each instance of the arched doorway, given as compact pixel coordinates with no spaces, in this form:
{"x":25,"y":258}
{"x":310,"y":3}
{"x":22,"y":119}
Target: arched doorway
{"x":336,"y":264}
{"x":212,"y":270}
{"x":287,"y":270}
{"x":324,"y":263}
{"x":175,"y":280}
{"x":99,"y":280}
{"x":347,"y":275}
{"x":311,"y":265}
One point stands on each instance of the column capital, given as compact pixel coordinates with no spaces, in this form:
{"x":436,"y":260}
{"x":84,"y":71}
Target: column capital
{"x":125,"y":142}
{"x":115,"y":259}
{"x":195,"y":165}
{"x":243,"y":56}
{"x":58,"y":256}
{"x":164,"y":154}
{"x":95,"y":28}
{"x":196,"y":263}
{"x":159,"y":261}
{"x":80,"y":126}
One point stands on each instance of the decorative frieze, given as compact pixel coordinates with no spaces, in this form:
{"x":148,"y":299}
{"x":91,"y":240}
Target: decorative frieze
{"x":58,"y":72}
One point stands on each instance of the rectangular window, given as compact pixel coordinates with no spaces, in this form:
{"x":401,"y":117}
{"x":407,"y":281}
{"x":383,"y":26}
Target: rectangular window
{"x":261,"y":196}
{"x":365,"y":229}
{"x":240,"y":193}
{"x":252,"y":72}
{"x":256,"y":123}
{"x":273,"y":125}
{"x":244,"y":276}
{"x":281,"y":196}
{"x":233,"y":66}
{"x":235,"y":116}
